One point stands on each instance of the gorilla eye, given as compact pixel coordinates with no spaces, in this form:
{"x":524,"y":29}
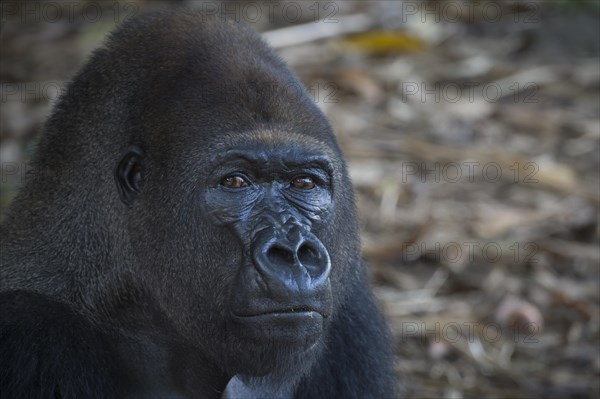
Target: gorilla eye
{"x":303,"y":182}
{"x":234,"y":182}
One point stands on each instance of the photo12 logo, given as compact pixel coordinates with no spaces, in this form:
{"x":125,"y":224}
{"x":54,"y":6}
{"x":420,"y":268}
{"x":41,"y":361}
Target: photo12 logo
{"x":469,"y":172}
{"x":27,"y":12}
{"x":450,"y":92}
{"x":470,"y":331}
{"x":469,"y":251}
{"x":452,"y":11}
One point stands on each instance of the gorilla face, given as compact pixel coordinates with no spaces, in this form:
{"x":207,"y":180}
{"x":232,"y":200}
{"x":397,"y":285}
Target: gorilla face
{"x":249,"y":244}
{"x":270,"y":198}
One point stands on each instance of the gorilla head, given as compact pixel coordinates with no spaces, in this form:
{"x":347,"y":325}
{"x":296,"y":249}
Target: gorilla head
{"x":193,"y":196}
{"x":233,"y":181}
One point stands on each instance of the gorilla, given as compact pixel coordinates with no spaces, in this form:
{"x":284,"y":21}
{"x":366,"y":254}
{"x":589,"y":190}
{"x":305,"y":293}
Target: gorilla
{"x":187,"y":230}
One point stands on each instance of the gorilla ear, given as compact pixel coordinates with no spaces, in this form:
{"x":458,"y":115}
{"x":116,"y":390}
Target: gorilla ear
{"x":128,"y":174}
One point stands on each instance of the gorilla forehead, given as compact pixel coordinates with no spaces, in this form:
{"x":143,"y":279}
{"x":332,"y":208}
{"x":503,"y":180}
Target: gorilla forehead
{"x":272,"y":144}
{"x":264,"y":109}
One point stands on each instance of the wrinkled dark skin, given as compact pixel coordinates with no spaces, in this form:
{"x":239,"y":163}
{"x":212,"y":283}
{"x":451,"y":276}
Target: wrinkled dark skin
{"x":186,"y":233}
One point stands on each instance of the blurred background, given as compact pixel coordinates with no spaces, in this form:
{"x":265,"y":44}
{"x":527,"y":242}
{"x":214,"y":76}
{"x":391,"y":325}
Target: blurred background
{"x":472,"y":134}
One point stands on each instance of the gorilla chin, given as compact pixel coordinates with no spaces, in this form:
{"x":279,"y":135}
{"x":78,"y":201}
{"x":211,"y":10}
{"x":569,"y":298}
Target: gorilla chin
{"x":273,"y":343}
{"x":281,"y":336}
{"x":298,"y":331}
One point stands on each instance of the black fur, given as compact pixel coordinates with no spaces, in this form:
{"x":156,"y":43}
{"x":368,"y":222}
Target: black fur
{"x":127,"y":289}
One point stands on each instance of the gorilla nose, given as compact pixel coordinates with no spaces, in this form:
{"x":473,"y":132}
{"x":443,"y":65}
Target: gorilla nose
{"x":307,"y":258}
{"x":295,"y":264}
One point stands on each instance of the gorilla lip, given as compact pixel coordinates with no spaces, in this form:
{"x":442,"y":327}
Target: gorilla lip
{"x":303,"y":311}
{"x":275,"y":317}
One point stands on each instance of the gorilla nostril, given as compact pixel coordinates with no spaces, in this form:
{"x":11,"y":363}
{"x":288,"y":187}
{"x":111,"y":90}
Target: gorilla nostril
{"x":280,"y":255}
{"x":314,"y":260}
{"x":307,"y":254}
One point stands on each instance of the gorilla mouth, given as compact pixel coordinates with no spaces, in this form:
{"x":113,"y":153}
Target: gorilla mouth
{"x":307,"y":311}
{"x":297,"y":327}
{"x":294,"y":320}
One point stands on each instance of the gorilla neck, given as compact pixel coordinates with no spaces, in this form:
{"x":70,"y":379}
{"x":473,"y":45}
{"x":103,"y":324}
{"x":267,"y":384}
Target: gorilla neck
{"x":152,"y":366}
{"x":153,"y":356}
